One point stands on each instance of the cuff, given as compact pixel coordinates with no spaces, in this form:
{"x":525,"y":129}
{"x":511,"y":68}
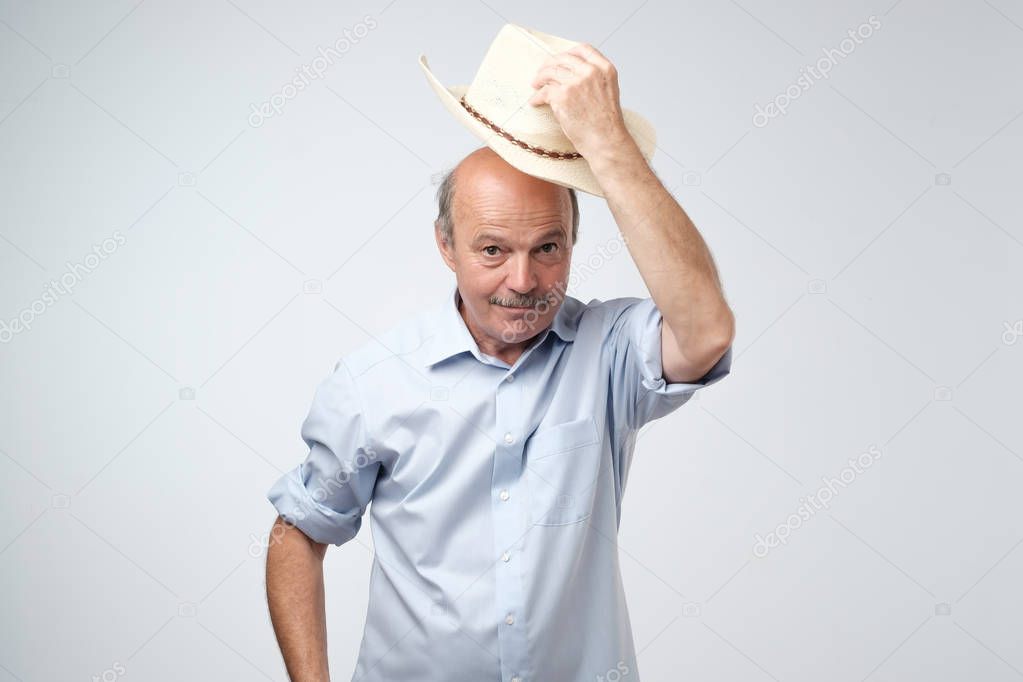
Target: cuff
{"x":297,"y":506}
{"x":652,"y":367}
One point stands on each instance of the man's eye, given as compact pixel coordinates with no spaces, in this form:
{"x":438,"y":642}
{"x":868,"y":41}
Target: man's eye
{"x":549,"y":244}
{"x":486,"y":250}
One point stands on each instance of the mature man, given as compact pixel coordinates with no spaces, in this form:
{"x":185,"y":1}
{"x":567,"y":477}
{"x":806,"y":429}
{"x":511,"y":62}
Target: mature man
{"x":494,"y":434}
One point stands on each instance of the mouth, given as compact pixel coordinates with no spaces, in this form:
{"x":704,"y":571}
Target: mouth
{"x":517,"y":310}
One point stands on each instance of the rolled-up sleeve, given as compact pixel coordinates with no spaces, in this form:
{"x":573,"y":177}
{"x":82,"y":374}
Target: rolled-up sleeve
{"x":326,"y":495}
{"x":639,"y":391}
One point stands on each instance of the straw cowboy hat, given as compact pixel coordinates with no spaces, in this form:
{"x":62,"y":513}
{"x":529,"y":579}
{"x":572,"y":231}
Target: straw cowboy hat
{"x":495,"y":107}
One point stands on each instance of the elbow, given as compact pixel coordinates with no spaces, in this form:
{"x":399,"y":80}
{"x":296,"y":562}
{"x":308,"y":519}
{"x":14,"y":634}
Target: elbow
{"x":726,"y":330}
{"x":718,"y":337}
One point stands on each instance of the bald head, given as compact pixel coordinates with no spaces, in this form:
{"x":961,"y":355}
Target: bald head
{"x":483,"y":178}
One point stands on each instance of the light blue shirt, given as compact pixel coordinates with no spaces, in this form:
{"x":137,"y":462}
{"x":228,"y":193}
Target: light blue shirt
{"x":496,"y":491}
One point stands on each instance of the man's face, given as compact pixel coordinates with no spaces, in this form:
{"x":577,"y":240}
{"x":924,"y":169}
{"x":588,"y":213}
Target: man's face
{"x":512,"y":250}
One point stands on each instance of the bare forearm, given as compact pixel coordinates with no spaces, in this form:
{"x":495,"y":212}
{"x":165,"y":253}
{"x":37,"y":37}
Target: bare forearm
{"x":295,"y":595}
{"x":669,"y":251}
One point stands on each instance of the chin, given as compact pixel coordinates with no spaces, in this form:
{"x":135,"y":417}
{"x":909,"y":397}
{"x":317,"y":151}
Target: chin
{"x":518,"y":327}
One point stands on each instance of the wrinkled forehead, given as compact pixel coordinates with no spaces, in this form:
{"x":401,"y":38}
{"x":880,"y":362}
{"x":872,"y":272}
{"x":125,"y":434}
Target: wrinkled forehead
{"x":512,"y":202}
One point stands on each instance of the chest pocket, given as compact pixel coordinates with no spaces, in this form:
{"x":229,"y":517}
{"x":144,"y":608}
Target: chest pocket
{"x":562,"y":467}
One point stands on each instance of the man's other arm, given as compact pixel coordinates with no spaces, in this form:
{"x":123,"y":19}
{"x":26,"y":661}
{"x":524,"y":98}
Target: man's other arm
{"x":295,"y":595}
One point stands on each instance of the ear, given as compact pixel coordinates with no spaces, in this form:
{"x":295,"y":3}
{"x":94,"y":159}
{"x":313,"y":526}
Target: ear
{"x":447,"y":251}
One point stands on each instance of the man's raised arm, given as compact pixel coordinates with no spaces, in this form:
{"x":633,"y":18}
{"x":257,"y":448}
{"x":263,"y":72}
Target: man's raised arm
{"x":581,"y":87}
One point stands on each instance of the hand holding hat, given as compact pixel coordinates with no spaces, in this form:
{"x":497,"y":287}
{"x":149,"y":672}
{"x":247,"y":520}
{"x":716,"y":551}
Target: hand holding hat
{"x":581,"y":87}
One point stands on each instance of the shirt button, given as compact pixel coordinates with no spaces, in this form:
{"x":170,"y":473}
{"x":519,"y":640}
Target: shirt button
{"x":505,"y":556}
{"x":504,"y":495}
{"x":509,"y":619}
{"x":508,"y":438}
{"x":511,"y":378}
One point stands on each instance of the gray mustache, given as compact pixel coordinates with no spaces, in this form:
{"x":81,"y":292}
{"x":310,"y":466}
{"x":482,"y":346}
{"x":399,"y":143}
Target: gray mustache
{"x":526,"y":302}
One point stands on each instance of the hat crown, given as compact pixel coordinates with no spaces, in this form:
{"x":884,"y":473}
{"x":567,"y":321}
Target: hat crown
{"x":501,"y":88}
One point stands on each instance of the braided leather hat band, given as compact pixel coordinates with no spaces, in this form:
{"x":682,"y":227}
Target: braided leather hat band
{"x":539,"y":151}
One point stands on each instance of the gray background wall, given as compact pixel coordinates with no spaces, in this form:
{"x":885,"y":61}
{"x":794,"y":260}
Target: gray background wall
{"x":870,"y":241}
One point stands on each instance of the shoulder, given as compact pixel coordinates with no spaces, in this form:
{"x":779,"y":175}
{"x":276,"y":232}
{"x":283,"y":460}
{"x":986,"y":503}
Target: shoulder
{"x":394,"y":348}
{"x":381,"y":378}
{"x":614,"y":310}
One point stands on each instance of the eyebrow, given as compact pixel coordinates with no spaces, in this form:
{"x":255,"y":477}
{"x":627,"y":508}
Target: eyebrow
{"x":490,"y":235}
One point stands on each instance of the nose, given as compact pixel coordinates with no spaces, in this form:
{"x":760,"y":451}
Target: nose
{"x":521,"y":278}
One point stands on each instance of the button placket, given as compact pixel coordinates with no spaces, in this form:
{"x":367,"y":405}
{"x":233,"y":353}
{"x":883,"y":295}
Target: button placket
{"x":509,"y":527}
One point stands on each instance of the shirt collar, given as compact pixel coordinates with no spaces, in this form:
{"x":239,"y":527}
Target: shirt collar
{"x":452,"y":337}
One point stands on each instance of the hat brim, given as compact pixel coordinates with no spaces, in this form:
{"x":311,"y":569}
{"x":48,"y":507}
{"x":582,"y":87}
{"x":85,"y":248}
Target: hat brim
{"x":573,"y":173}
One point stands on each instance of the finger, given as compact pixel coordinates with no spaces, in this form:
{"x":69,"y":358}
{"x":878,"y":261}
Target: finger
{"x":592,"y":55}
{"x":550,"y":74}
{"x":572,"y":60}
{"x":546,"y":94}
{"x":540,"y":96}
{"x":562,"y":67}
{"x":589,"y":53}
{"x":576,"y":59}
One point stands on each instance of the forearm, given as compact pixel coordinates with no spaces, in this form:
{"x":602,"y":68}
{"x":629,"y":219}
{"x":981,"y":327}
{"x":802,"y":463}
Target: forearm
{"x":295,"y":595}
{"x":669,"y":251}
